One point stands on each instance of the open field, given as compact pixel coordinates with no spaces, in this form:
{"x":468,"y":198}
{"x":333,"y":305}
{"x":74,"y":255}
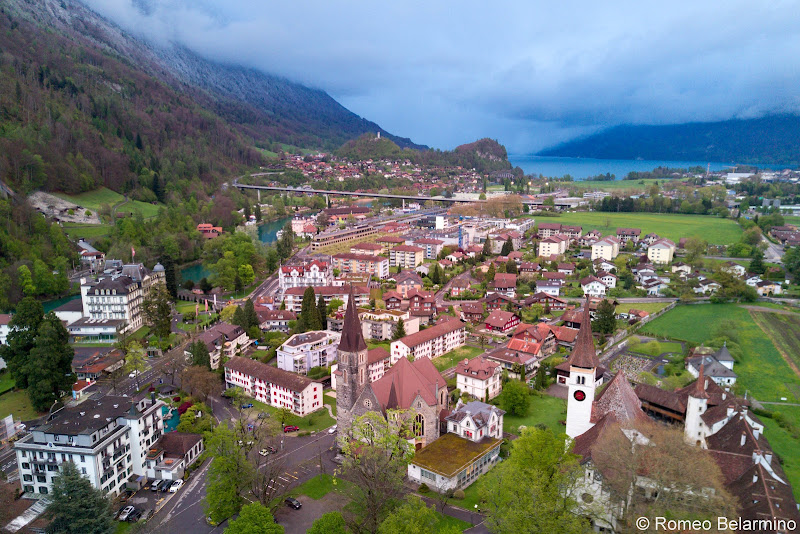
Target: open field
{"x":313,"y":422}
{"x":94,"y":200}
{"x":454,"y":356}
{"x":544,"y":409}
{"x":655,"y":348}
{"x":6,"y":382}
{"x":628,"y":186}
{"x":86,"y":231}
{"x":650,"y":307}
{"x":713,"y":229}
{"x":784,"y":331}
{"x":145,"y":208}
{"x":762,"y":370}
{"x":17,"y":404}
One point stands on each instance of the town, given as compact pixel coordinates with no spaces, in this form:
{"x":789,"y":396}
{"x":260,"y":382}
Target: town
{"x":391,"y":360}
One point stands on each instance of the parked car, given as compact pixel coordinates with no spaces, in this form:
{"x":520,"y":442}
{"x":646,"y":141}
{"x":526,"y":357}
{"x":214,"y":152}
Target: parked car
{"x":248,"y":405}
{"x":176,"y":485}
{"x":267,"y":450}
{"x":135,"y":515}
{"x":156,"y":483}
{"x":332,"y":430}
{"x":125,"y":513}
{"x":293,"y":503}
{"x":134,"y":374}
{"x":164,"y":486}
{"x":291,"y":428}
{"x":126,"y":495}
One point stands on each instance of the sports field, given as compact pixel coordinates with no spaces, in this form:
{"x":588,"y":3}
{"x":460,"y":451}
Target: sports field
{"x":715,"y":230}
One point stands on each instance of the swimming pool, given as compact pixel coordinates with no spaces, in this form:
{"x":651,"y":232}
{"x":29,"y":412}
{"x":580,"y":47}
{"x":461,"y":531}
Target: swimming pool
{"x":171,"y":423}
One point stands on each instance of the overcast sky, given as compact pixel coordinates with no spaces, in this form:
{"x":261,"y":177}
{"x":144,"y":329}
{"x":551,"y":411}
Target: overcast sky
{"x":529,"y":73}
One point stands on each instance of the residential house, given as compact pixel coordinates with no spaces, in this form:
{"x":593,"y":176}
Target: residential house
{"x":388,"y":242}
{"x":501,"y":321}
{"x":767,"y":288}
{"x":549,"y":230}
{"x":472,"y":312}
{"x":567,"y":269}
{"x":606,"y":249}
{"x":301,"y":352}
{"x":422,"y":304}
{"x":314,"y":273}
{"x":529,"y":268}
{"x":734,"y":269}
{"x":548,"y":287}
{"x":432,"y":247}
{"x":593,"y":286}
{"x":361,"y":263}
{"x":495,"y":301}
{"x":603,"y":265}
{"x":406,"y":281}
{"x":273,"y":386}
{"x":275,"y":320}
{"x":479,"y":378}
{"x":608,"y":279}
{"x":681,"y":267}
{"x":90,"y":363}
{"x":555,"y":245}
{"x":223,"y":341}
{"x":458,"y":287}
{"x":546,"y":301}
{"x":381,"y":324}
{"x":661,"y":252}
{"x":393,"y":300}
{"x":717,"y":365}
{"x":209,"y":231}
{"x":505,"y":284}
{"x":172,"y":455}
{"x":434,"y":341}
{"x":628,"y":234}
{"x":519,"y":364}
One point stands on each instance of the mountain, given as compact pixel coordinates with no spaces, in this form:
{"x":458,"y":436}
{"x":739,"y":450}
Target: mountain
{"x":65,"y":68}
{"x":768,"y":140}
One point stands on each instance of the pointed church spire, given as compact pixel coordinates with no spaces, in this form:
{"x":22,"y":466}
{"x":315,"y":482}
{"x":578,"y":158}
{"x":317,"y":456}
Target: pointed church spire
{"x":352,"y":338}
{"x":699,"y":389}
{"x":583,"y":355}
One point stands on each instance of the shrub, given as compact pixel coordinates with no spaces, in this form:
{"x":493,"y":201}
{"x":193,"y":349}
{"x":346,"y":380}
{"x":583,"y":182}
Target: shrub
{"x":88,"y":213}
{"x":303,"y":433}
{"x":459,"y":494}
{"x":71,"y":211}
{"x":423,"y":488}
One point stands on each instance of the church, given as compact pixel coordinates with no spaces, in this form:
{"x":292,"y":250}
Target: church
{"x":415,"y":386}
{"x":711,"y":417}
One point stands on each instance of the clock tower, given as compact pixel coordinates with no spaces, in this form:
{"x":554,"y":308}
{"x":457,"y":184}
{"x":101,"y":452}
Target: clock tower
{"x":583,"y":364}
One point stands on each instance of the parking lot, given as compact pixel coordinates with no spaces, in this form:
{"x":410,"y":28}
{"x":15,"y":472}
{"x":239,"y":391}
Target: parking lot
{"x":146,"y":500}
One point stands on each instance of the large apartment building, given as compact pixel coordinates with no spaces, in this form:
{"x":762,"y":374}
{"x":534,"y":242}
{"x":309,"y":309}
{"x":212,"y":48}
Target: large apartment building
{"x":107,"y":440}
{"x":554,"y":245}
{"x":294,"y":296}
{"x":406,"y":256}
{"x":315,"y":273}
{"x":361,"y":263}
{"x":381,"y":324}
{"x":274,"y":386}
{"x":431,"y":342}
{"x":301,"y":352}
{"x":605,"y":249}
{"x":223,"y":341}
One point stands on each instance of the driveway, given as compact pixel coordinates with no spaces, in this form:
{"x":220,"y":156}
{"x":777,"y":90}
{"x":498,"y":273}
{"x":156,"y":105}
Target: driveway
{"x":299,"y":521}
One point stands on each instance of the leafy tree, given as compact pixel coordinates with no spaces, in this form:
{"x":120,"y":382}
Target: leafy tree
{"x":490,"y":273}
{"x":250,"y":315}
{"x":254,"y":518}
{"x":257,"y":212}
{"x":200,"y":382}
{"x":25,"y":280}
{"x":376,"y":453}
{"x":322,"y":312}
{"x":757,"y":264}
{"x":170,"y":277}
{"x":514,"y":398}
{"x":606,"y":321}
{"x":412,"y":517}
{"x":157,"y":311}
{"x":330,"y":523}
{"x":487,"y":247}
{"x":190,"y":422}
{"x":695,"y":248}
{"x":228,"y":476}
{"x":49,"y":365}
{"x":238,"y":317}
{"x":205,"y":285}
{"x":23,"y":328}
{"x":399,"y":329}
{"x":532,"y":491}
{"x":335,"y":304}
{"x":246,"y":274}
{"x":511,"y":267}
{"x":135,"y":361}
{"x":76,"y":507}
{"x":227,"y":313}
{"x":508,"y":247}
{"x":791,"y":261}
{"x":200,"y":355}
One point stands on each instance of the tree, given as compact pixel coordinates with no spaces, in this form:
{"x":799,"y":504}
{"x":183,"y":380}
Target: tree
{"x":157,"y":311}
{"x":508,"y":247}
{"x":227,"y":313}
{"x":757,"y":264}
{"x":76,"y":507}
{"x":49,"y":365}
{"x":135,"y":361}
{"x":170,"y":277}
{"x":606,"y":321}
{"x":511,"y":267}
{"x":309,"y":318}
{"x":791,"y":261}
{"x":322,"y":312}
{"x":514,"y":398}
{"x":490,"y":273}
{"x":257,"y":212}
{"x":435,"y":275}
{"x":228,"y":476}
{"x":254,"y":519}
{"x":238,"y":317}
{"x":412,"y":517}
{"x":200,"y":355}
{"x":674,"y":469}
{"x":246,"y":274}
{"x":250,"y":315}
{"x":25,"y":280}
{"x":695,"y":248}
{"x":23,"y":327}
{"x":376,"y":453}
{"x":532,"y":490}
{"x":487,"y":247}
{"x":200,"y":382}
{"x":330,"y":523}
{"x":399,"y":329}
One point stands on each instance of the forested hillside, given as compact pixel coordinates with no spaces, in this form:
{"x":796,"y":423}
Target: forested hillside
{"x":767,"y":140}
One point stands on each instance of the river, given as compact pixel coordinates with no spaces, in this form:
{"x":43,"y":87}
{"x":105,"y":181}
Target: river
{"x":267,"y":233}
{"x":581,"y":168}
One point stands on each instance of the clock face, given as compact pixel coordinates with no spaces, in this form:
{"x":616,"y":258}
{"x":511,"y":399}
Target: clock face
{"x":579,"y":395}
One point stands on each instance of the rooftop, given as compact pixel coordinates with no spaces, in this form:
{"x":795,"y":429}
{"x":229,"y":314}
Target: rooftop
{"x":451,"y":454}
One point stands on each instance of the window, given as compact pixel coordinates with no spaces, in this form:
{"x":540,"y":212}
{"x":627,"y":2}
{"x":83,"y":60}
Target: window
{"x":27,"y":478}
{"x":41,"y":478}
{"x":26,"y":465}
{"x":83,"y":458}
{"x":419,"y":425}
{"x":83,"y":470}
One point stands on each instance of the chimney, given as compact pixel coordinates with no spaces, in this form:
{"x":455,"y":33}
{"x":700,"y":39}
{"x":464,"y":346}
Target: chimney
{"x":756,"y":433}
{"x":768,"y":457}
{"x":755,"y":478}
{"x":152,"y":398}
{"x":741,"y":441}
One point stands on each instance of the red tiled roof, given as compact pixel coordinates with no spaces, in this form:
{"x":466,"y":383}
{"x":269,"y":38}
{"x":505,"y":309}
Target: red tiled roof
{"x":440,"y":329}
{"x":619,"y":399}
{"x":405,"y":380}
{"x":479,"y":368}
{"x":268,"y":373}
{"x":499,"y":318}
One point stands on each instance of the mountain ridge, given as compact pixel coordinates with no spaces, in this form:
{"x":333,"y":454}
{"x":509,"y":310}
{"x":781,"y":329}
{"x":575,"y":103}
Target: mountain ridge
{"x":768,"y":140}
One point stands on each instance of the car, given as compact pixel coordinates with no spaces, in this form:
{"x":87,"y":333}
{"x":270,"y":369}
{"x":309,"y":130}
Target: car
{"x":134,"y":374}
{"x":176,"y":486}
{"x":291,"y":428}
{"x":267,"y":450}
{"x":293,"y":503}
{"x":332,"y":430}
{"x":263,"y":415}
{"x":135,"y":515}
{"x":154,"y":485}
{"x":127,"y":494}
{"x":248,"y":405}
{"x":164,"y":486}
{"x":125,"y":513}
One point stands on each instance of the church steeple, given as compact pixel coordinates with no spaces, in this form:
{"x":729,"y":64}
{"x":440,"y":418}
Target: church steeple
{"x":583,"y":364}
{"x":352,"y":338}
{"x":583,"y":355}
{"x":352,"y":362}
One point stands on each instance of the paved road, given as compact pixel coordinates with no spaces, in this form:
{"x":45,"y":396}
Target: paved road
{"x":773,"y":253}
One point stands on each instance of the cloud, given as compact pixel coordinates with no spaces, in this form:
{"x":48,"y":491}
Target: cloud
{"x":529,"y":73}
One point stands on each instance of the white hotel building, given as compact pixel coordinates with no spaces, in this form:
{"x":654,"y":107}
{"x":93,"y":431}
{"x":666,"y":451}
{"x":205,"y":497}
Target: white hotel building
{"x":274,"y":386}
{"x":431,"y":342}
{"x":107,"y":440}
{"x":303,"y":351}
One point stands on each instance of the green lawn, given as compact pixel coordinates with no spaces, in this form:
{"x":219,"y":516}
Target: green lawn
{"x":713,"y":229}
{"x":314,"y":422}
{"x":93,"y":200}
{"x":327,"y":399}
{"x":616,"y":185}
{"x":762,"y":371}
{"x":650,"y":307}
{"x":17,"y":404}
{"x":452,"y":358}
{"x":87,"y":231}
{"x":544,"y":409}
{"x":446,"y":521}
{"x":470,"y":495}
{"x":372,"y":344}
{"x":784,"y":444}
{"x":145,"y":208}
{"x":6,"y":382}
{"x":655,"y":348}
